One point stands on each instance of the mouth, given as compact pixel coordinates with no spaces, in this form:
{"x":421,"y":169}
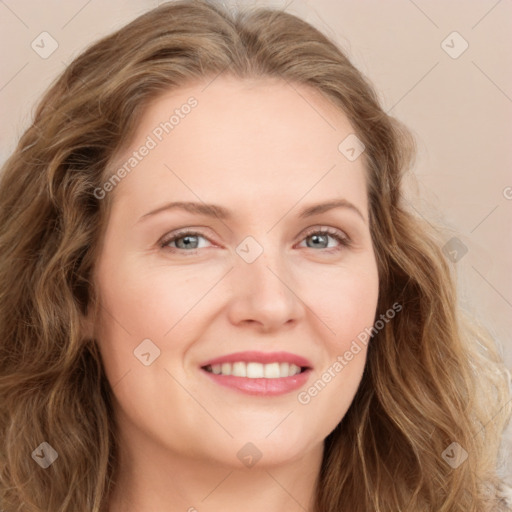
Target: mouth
{"x":257,"y":373}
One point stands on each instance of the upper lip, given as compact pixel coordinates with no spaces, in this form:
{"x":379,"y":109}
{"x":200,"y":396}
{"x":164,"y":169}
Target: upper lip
{"x":260,"y":357}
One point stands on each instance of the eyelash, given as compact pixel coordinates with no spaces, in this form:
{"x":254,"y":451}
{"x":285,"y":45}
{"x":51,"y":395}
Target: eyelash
{"x":344,"y":241}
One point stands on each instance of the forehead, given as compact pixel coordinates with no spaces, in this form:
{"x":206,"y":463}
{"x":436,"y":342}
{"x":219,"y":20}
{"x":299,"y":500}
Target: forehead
{"x":251,"y":112}
{"x":257,"y":136}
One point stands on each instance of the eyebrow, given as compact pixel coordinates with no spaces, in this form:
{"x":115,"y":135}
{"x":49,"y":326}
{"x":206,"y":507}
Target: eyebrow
{"x":212,"y":210}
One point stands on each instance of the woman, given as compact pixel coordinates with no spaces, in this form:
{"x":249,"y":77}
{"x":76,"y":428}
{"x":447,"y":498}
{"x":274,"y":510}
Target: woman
{"x":172,"y":335}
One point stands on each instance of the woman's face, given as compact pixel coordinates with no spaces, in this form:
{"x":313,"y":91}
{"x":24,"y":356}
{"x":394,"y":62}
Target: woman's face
{"x":253,"y":290}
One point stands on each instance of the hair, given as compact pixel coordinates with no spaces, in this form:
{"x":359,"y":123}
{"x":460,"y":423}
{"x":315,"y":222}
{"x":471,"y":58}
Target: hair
{"x":432,"y":376}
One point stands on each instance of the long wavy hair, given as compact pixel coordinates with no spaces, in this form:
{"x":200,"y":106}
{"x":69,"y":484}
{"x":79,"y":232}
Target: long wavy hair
{"x":432,"y":376}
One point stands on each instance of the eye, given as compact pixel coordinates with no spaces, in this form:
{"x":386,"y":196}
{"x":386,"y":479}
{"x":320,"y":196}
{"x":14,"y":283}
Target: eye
{"x":184,"y":240}
{"x":320,"y":237}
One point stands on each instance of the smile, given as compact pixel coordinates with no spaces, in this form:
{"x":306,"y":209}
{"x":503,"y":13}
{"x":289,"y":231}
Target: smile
{"x":258,"y":373}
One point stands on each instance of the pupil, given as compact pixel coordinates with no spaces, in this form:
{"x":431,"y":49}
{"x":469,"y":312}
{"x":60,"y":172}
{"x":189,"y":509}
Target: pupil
{"x":317,"y":238}
{"x":187,"y":242}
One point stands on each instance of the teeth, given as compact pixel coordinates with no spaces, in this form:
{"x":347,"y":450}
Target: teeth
{"x":271,"y":371}
{"x":239,"y":370}
{"x":255,"y":370}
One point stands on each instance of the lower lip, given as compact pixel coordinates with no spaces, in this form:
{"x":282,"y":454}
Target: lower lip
{"x":261,"y":387}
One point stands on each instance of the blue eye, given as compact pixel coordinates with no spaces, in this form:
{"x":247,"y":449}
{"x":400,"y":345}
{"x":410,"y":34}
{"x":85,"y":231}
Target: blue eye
{"x":188,"y":238}
{"x":188,"y":241}
{"x":323,"y":236}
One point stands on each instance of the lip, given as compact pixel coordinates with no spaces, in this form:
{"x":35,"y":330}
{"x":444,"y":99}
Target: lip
{"x":261,"y":386}
{"x":261,"y":357}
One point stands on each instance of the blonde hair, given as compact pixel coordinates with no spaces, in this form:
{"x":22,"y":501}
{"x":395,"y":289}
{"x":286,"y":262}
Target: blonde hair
{"x":432,"y":377}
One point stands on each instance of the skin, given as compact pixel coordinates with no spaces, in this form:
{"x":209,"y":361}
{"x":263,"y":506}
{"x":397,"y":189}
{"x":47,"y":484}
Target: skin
{"x":265,"y":151}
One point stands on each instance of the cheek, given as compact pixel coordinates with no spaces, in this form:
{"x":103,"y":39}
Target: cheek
{"x":350,"y":312}
{"x":347,"y":307}
{"x":345,"y":299}
{"x":357,"y":306}
{"x":149,"y":302}
{"x":140,"y":302}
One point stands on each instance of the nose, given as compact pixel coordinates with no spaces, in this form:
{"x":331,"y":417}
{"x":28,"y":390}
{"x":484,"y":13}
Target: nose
{"x":264,"y":293}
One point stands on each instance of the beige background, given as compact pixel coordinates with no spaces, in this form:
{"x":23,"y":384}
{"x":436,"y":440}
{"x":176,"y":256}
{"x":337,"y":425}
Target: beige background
{"x":458,"y":108}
